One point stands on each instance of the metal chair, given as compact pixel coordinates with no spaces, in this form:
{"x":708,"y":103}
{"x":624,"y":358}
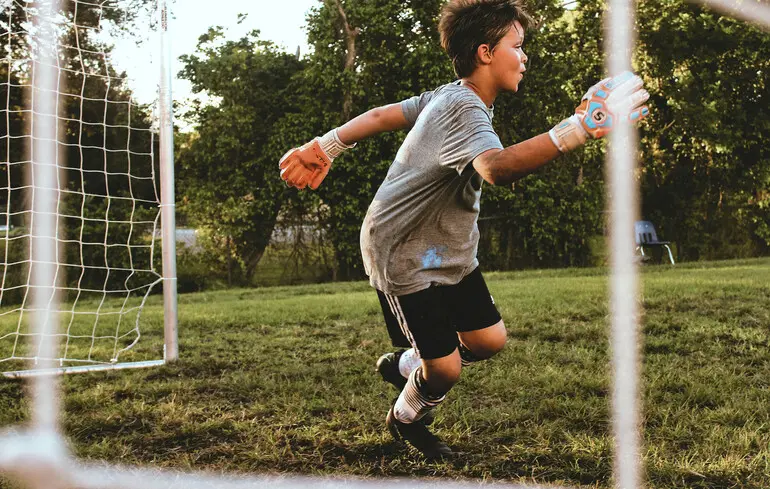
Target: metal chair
{"x":647,"y":237}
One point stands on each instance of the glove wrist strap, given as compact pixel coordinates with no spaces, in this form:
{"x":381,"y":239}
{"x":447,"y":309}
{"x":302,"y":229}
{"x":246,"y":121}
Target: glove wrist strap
{"x":332,"y":145}
{"x":568,"y":134}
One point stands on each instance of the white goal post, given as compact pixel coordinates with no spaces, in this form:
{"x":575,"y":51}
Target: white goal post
{"x":87,"y":230}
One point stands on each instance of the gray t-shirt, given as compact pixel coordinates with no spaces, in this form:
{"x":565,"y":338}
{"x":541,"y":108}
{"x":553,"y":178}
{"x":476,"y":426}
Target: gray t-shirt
{"x":421,"y":228}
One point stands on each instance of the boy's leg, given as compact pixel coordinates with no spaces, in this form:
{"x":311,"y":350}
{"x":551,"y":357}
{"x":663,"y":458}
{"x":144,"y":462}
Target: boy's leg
{"x":423,"y":319}
{"x":427,"y":386}
{"x":482,"y":344}
{"x":448,"y":327}
{"x":481,"y":333}
{"x":405,"y":420}
{"x":479,"y":325}
{"x":395,"y":367}
{"x":480,"y":328}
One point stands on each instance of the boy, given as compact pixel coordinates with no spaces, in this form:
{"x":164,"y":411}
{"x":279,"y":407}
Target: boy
{"x":420,"y":235}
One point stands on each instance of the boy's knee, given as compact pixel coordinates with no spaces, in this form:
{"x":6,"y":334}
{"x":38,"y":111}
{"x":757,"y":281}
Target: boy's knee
{"x":445,"y":380}
{"x":497,"y":340}
{"x":488,"y":350}
{"x":442,"y":375}
{"x":486,"y":343}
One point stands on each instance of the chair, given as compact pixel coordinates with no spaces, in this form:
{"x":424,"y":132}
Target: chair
{"x":647,"y":237}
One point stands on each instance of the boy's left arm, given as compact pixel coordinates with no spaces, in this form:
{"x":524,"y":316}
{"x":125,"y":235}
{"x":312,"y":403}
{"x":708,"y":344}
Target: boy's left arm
{"x":309,"y":164}
{"x":505,"y":166}
{"x":594,"y":118}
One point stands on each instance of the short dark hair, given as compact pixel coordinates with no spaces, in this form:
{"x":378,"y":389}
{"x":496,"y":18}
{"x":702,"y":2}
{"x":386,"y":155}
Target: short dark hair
{"x":467,"y":24}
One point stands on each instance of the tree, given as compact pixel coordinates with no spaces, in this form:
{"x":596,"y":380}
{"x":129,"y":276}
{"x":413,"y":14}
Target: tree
{"x":397,"y":56}
{"x":706,"y":158}
{"x":96,"y":112}
{"x":705,"y":183}
{"x":550,"y":217}
{"x":229,"y":181}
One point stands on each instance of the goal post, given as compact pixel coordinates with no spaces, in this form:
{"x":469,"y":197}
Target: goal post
{"x":72,"y":132}
{"x":171,"y":345}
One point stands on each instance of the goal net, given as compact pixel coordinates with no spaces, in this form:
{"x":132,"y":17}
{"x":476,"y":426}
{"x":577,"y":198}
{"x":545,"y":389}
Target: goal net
{"x":104,"y":175}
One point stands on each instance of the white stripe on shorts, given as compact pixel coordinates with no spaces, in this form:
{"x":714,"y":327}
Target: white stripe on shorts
{"x":395,"y":308}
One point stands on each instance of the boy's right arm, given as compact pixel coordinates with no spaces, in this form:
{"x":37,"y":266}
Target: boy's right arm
{"x":381,"y":119}
{"x":309,"y":164}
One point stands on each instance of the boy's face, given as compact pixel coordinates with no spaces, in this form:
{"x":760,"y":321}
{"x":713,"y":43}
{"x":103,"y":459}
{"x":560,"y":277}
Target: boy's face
{"x":508,"y":59}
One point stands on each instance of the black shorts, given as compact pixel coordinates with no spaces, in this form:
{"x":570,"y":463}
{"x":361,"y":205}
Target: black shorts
{"x":430,"y":319}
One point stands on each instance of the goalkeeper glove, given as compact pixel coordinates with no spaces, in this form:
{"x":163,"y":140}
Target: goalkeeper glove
{"x":600,"y":109}
{"x":309,"y":164}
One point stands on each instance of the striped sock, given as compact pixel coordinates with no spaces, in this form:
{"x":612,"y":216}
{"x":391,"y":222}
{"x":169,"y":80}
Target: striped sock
{"x":408,"y":361}
{"x":415,"y":401}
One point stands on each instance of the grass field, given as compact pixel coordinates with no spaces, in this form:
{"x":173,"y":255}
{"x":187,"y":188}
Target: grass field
{"x":276,"y":380}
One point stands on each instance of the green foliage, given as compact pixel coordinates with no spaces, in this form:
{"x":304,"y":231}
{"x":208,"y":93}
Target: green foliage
{"x":704,"y":166}
{"x":14,"y":247}
{"x":548,"y":218}
{"x":105,"y":140}
{"x":705,"y":171}
{"x":196,"y":268}
{"x":706,"y":159}
{"x":229,"y":183}
{"x":398,"y":56}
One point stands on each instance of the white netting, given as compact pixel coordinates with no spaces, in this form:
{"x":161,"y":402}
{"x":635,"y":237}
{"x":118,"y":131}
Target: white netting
{"x":107,"y":208}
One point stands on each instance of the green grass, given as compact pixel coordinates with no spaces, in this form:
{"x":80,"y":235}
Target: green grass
{"x":277,"y":380}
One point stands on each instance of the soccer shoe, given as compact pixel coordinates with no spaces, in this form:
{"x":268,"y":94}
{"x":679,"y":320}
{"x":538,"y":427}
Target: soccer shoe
{"x":419,"y":436}
{"x":387,"y":367}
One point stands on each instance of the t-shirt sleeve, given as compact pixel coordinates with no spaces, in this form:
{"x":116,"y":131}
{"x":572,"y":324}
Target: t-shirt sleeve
{"x":470,"y":135}
{"x":414,"y":105}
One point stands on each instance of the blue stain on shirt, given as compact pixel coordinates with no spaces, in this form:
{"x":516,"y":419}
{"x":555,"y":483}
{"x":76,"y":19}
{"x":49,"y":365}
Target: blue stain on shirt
{"x":432,"y":257}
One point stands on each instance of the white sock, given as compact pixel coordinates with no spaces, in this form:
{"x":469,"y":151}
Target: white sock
{"x":412,"y":404}
{"x":409,"y":361}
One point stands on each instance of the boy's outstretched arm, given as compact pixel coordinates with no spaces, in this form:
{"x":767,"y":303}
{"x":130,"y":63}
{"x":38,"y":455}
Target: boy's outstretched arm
{"x":505,"y":166}
{"x":309,"y":164}
{"x":373,"y":122}
{"x":593,"y":118}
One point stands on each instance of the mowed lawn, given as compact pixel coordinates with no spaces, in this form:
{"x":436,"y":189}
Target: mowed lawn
{"x":282,"y":379}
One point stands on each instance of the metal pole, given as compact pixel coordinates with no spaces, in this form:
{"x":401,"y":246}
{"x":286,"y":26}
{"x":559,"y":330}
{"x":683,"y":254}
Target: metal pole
{"x":45,"y":195}
{"x":20,"y":374}
{"x":168,"y":214}
{"x":624,"y":209}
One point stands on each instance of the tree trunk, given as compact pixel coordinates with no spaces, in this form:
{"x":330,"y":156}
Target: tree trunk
{"x":228,"y":244}
{"x":350,"y":34}
{"x":252,"y":260}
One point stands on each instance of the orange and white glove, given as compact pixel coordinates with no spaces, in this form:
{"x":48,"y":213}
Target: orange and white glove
{"x":603,"y":105}
{"x":309,"y":164}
